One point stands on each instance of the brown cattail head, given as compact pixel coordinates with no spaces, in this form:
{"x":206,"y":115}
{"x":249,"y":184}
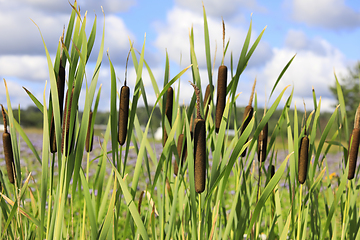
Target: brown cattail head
{"x":123,"y":114}
{"x":207,"y":98}
{"x":182,"y":152}
{"x":221,"y":96}
{"x":200,"y":155}
{"x":89,"y":140}
{"x":66,"y":123}
{"x":262,"y":143}
{"x":248,"y":113}
{"x":357,"y":118}
{"x":140,"y":201}
{"x":199,"y":147}
{"x":353,"y":152}
{"x":8,"y":152}
{"x":168,"y":110}
{"x":272,"y":170}
{"x":303,"y":159}
{"x":60,"y":87}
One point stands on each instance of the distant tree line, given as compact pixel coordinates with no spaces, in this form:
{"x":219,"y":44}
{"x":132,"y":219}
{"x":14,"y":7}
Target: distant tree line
{"x":33,"y":118}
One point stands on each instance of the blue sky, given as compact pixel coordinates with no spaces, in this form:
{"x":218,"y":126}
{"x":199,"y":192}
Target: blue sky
{"x":323,"y":34}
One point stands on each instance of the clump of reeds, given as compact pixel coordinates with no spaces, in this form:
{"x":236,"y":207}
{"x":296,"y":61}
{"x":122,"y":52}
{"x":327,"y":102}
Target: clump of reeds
{"x":61,"y":88}
{"x":303,"y":154}
{"x":248,"y":113}
{"x":8,"y":152}
{"x":199,"y":147}
{"x":354,"y":145}
{"x":124,"y":108}
{"x":221,"y":89}
{"x":89,"y":138}
{"x":66,"y":123}
{"x":168,"y":110}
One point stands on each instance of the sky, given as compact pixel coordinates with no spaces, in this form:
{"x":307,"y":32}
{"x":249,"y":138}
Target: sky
{"x":324,"y":35}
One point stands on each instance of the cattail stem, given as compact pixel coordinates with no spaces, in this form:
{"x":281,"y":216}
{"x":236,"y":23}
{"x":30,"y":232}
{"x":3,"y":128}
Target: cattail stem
{"x":299,"y":217}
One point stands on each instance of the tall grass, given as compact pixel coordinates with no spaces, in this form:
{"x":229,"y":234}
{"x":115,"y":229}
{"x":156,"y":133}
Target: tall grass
{"x":146,"y":200}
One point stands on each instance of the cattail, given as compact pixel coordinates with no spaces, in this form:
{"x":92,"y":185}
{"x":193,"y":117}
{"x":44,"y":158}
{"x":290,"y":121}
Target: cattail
{"x":272,"y":170}
{"x":168,"y":110}
{"x":0,"y":181}
{"x":140,"y":201}
{"x":199,"y":147}
{"x":207,"y":99}
{"x":248,"y":113}
{"x":89,"y":140}
{"x":262,"y":143}
{"x":353,"y":152}
{"x":221,"y":96}
{"x":8,"y":152}
{"x":182,"y":154}
{"x":66,"y":123}
{"x":303,"y":155}
{"x":357,"y":118}
{"x":303,"y":159}
{"x":60,"y":87}
{"x":123,"y":113}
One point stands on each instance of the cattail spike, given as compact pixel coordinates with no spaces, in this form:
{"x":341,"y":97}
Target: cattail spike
{"x":8,"y":152}
{"x":199,"y":147}
{"x":303,"y":159}
{"x":357,"y":118}
{"x":353,"y":152}
{"x":221,"y":96}
{"x":123,"y":114}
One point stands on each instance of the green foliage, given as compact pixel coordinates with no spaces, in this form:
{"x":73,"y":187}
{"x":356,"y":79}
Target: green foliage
{"x":130,"y":191}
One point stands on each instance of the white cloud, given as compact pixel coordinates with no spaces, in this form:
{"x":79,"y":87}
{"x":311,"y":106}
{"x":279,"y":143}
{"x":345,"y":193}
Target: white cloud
{"x":332,"y":14}
{"x":24,"y":67}
{"x":308,"y":69}
{"x":174,"y":36}
{"x":226,"y":8}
